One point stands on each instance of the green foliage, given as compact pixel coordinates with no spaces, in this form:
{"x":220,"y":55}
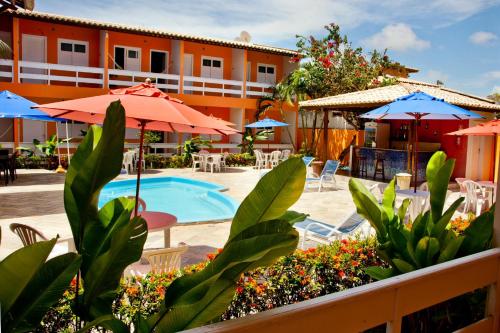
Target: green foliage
{"x":30,"y":285}
{"x":193,"y":146}
{"x":430,"y":239}
{"x":48,"y":148}
{"x":261,"y":231}
{"x":249,"y":139}
{"x":107,"y":239}
{"x":152,"y":137}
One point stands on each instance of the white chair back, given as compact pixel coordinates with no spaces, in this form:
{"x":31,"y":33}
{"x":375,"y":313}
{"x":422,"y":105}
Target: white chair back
{"x":275,"y":155}
{"x":285,"y":154}
{"x":165,"y":260}
{"x":203,"y":152}
{"x":473,"y":191}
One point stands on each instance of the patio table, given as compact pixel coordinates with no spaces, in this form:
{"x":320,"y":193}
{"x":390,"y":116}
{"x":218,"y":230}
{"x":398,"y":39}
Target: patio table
{"x":160,"y":221}
{"x":418,"y":203}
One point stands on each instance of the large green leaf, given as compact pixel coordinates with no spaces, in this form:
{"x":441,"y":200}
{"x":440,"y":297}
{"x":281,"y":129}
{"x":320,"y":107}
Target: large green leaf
{"x":451,"y":249}
{"x":43,"y":291}
{"x":368,"y":207}
{"x":435,"y":163}
{"x":403,"y":209}
{"x":426,"y":249}
{"x":380,"y":273}
{"x":18,"y":269}
{"x":479,"y":234}
{"x":199,"y":298}
{"x":97,"y":161}
{"x":403,"y":266}
{"x":438,"y":188}
{"x":389,"y":198}
{"x":272,"y":195}
{"x":441,"y":224}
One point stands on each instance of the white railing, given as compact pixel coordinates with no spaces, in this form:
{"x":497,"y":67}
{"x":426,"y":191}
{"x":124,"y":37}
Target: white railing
{"x":209,"y":85}
{"x":279,"y":146}
{"x":258,"y":89}
{"x":50,"y":73}
{"x":6,"y":69}
{"x":124,"y":78}
{"x":383,"y":302}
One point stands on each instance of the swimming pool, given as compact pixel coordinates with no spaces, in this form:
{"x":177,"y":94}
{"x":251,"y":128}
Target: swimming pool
{"x":188,"y":199}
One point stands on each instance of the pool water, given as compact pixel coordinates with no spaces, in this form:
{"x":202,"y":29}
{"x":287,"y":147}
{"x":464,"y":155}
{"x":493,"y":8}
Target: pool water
{"x":189,"y":200}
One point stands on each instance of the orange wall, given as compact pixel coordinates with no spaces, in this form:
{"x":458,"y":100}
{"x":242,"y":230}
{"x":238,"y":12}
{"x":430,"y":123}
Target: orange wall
{"x":264,"y":58}
{"x":199,"y":50}
{"x":54,"y":31}
{"x":222,"y":113}
{"x":145,"y":43}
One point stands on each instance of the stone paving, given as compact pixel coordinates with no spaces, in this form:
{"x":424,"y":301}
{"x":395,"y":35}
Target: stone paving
{"x":36,"y":199}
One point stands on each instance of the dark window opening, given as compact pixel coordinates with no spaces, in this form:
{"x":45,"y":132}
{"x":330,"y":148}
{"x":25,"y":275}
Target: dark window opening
{"x":207,"y":62}
{"x":216,"y":63}
{"x":66,"y":47}
{"x":270,"y":70}
{"x":80,"y":48}
{"x":119,"y":58}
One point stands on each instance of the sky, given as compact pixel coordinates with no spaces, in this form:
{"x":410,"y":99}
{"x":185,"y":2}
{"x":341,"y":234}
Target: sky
{"x":454,"y":41}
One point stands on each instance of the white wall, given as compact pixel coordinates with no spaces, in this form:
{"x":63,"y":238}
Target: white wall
{"x":174,"y":66}
{"x":237,"y":72}
{"x":288,"y":67}
{"x":290,"y":120}
{"x":102,"y":39}
{"x":236,"y":116}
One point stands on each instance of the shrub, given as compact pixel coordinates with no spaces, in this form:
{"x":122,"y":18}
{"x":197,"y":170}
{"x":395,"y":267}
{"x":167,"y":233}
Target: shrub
{"x":303,"y":275}
{"x":244,"y":159}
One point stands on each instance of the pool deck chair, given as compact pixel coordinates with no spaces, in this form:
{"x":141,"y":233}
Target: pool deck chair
{"x":307,"y":160}
{"x":327,"y":175}
{"x":326,"y":233}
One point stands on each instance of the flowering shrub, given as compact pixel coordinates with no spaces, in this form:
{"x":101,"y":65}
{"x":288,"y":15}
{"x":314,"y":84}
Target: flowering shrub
{"x":244,"y":159}
{"x":461,"y":223}
{"x":161,"y":162}
{"x":303,"y":275}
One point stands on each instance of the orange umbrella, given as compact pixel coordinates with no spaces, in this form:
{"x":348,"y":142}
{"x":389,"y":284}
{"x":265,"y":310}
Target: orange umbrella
{"x":146,"y":108}
{"x":225,"y":122}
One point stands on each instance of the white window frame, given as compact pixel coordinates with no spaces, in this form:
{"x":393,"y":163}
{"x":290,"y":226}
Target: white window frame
{"x":125,"y":56}
{"x":167,"y":59}
{"x":72,"y":42}
{"x":212,"y":59}
{"x":267,"y":79}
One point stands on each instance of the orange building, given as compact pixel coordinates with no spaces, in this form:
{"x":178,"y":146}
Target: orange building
{"x":57,"y":58}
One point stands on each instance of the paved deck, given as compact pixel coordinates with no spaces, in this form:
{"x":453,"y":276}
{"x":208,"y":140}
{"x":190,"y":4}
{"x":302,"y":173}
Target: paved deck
{"x":36,"y":199}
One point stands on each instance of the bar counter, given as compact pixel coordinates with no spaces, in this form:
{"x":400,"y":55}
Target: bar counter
{"x":395,"y":161}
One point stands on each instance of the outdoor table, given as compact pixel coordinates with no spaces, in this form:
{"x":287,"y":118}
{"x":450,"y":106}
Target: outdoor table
{"x":419,"y":200}
{"x":489,"y":190}
{"x":160,"y":221}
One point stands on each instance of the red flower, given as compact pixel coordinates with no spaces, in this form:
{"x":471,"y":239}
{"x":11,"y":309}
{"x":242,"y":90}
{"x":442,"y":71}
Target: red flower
{"x":354,"y":263}
{"x":341,"y":274}
{"x":331,"y":53}
{"x":219,"y":250}
{"x":239,"y":290}
{"x":331,"y":44}
{"x":210,"y":256}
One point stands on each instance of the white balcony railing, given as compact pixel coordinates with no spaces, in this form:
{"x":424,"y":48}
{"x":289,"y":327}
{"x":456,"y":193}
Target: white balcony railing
{"x":213,"y":86}
{"x":124,"y":78}
{"x":37,"y":72}
{"x":258,"y":89}
{"x":6,"y":70}
{"x":383,"y":302}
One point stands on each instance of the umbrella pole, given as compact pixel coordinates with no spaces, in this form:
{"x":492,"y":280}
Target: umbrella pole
{"x":415,"y":156}
{"x":59,"y":169}
{"x":139,"y":168}
{"x":67,"y":143}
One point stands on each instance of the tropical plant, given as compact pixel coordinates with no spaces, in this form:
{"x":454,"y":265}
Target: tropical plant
{"x":152,"y":137}
{"x":5,"y":50}
{"x":430,"y":240}
{"x":48,"y":148}
{"x":193,"y":146}
{"x":30,"y":285}
{"x":249,"y":139}
{"x":107,"y":239}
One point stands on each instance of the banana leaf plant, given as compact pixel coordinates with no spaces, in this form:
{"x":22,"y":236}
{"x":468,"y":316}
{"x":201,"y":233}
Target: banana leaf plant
{"x":107,"y":239}
{"x":30,"y":285}
{"x":48,"y":148}
{"x":261,"y":232}
{"x":429,"y":240}
{"x":193,"y":146}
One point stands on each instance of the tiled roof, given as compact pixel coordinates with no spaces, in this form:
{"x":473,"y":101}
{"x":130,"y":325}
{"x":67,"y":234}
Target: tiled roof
{"x":383,"y":95}
{"x":146,"y":31}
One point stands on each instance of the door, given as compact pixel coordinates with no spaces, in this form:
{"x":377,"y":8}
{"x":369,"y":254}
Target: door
{"x":35,"y":50}
{"x":128,"y":58}
{"x":188,"y":71}
{"x":212,"y":67}
{"x":266,"y":73}
{"x":159,"y":61}
{"x":479,"y":157}
{"x":34,"y":129}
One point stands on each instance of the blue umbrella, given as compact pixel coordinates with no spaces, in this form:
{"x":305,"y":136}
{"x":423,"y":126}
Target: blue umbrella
{"x":417,"y":106}
{"x":266,"y":123}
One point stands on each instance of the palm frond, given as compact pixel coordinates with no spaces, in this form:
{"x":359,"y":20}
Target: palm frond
{"x":5,"y":50}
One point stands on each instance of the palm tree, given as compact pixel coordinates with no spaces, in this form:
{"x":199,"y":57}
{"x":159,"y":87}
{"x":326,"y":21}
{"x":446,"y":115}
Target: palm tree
{"x":5,"y":50}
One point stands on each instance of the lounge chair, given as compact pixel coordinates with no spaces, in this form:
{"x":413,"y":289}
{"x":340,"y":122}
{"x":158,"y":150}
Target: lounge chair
{"x":307,"y":160}
{"x":30,"y":235}
{"x":327,"y":175}
{"x":165,"y":260}
{"x":326,"y":233}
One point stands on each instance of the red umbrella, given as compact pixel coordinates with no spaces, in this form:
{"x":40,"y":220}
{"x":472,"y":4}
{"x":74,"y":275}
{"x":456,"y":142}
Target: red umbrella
{"x":146,"y":108}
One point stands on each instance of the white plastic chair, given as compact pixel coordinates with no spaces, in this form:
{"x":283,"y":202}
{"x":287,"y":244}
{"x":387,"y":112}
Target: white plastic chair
{"x":136,"y":158}
{"x":223,"y":162}
{"x":165,"y":260}
{"x":460,"y":182}
{"x":197,"y":161}
{"x":128,"y":161}
{"x":275,"y":158}
{"x":474,"y":198}
{"x":214,"y":162}
{"x":285,"y":154}
{"x":260,"y":159}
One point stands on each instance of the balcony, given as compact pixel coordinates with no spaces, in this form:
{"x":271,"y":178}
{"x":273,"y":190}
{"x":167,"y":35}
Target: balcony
{"x":95,"y":77}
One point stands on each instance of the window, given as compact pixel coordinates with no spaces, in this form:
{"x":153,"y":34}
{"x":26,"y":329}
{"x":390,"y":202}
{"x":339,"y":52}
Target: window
{"x":127,"y":58}
{"x":72,"y":52}
{"x":266,"y":73}
{"x":212,"y":67}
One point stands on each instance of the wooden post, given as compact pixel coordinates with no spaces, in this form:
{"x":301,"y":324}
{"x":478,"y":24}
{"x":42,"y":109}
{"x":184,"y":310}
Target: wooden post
{"x":15,"y":49}
{"x":325,"y":135}
{"x":106,"y":61}
{"x":181,"y":67}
